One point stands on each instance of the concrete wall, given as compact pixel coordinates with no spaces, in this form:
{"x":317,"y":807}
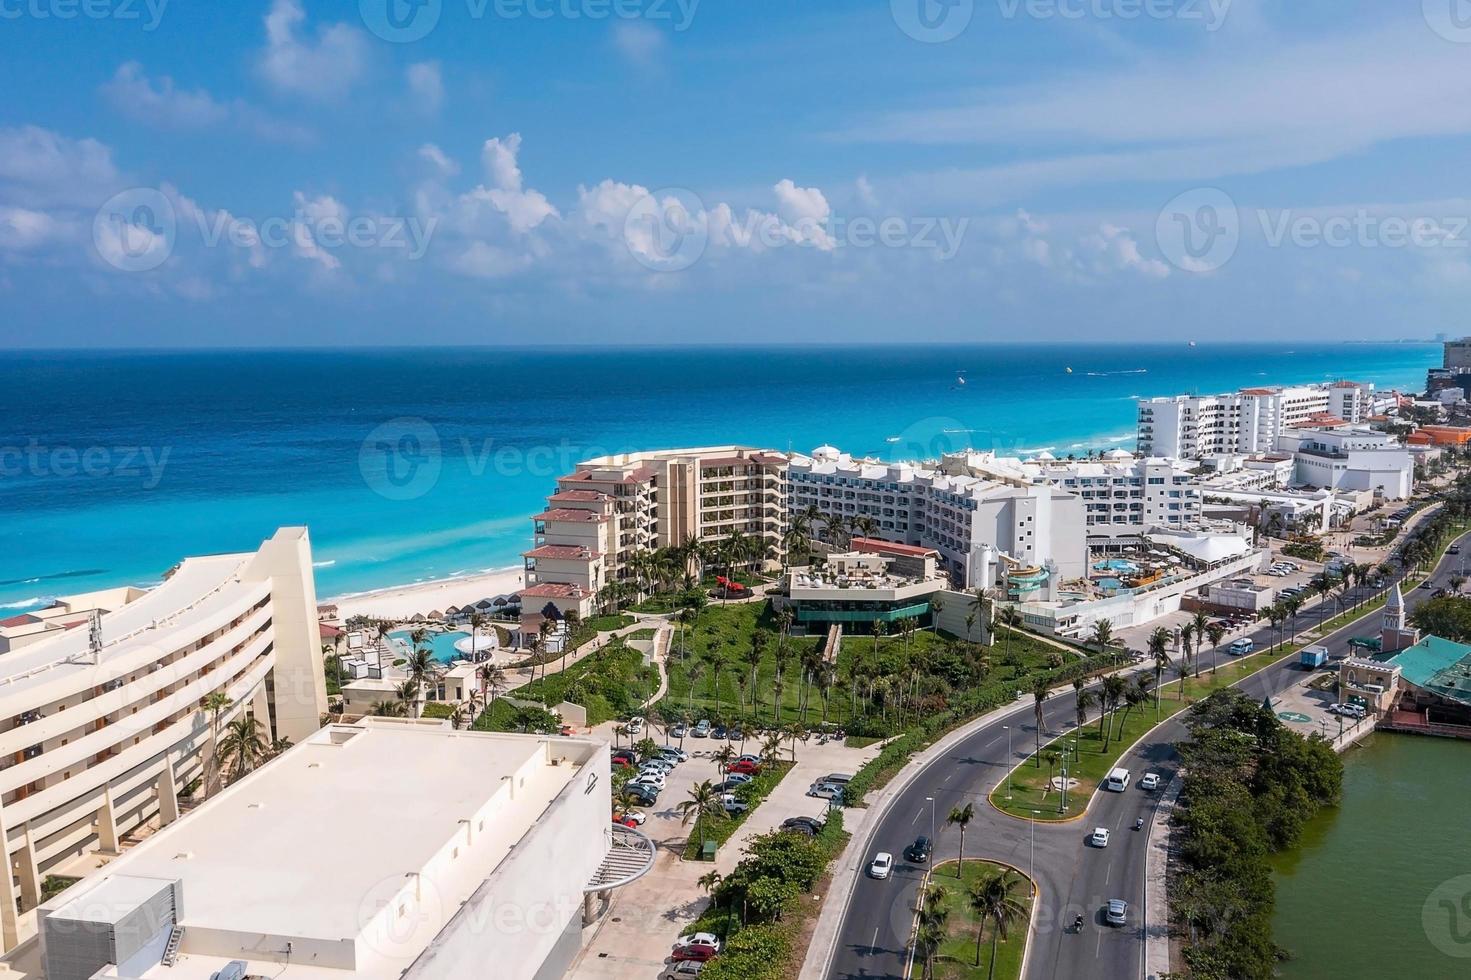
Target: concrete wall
{"x":951,"y":619}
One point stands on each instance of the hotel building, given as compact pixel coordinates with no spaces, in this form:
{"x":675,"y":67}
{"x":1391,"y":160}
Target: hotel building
{"x":984,"y":527}
{"x":614,"y":507}
{"x":1124,"y":496}
{"x":1247,"y":421}
{"x":388,"y":849}
{"x":1350,"y":459}
{"x":101,"y":718}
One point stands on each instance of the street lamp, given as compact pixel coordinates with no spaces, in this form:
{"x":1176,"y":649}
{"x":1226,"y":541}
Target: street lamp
{"x":1064,"y":791}
{"x":1008,"y":762}
{"x":931,"y":801}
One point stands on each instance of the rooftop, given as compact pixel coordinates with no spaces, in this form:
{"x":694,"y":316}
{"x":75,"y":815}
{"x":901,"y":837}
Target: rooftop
{"x":571,"y":552}
{"x":1437,"y":665}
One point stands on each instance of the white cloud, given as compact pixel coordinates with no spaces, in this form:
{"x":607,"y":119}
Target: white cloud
{"x":442,"y":165}
{"x":158,"y":102}
{"x":524,"y":209}
{"x":22,"y":229}
{"x":640,"y":44}
{"x":426,"y":86}
{"x":323,"y":69}
{"x":39,"y":167}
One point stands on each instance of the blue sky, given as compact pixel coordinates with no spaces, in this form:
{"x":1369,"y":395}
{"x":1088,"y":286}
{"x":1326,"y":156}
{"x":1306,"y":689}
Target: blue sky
{"x":278,"y":172}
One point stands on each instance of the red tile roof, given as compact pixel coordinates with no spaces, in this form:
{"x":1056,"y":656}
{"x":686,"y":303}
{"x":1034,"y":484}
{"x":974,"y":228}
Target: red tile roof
{"x":569,"y":551}
{"x":578,"y":496}
{"x":328,"y":632}
{"x":24,"y":619}
{"x":568,"y":514}
{"x":554,"y":590}
{"x":875,"y":547}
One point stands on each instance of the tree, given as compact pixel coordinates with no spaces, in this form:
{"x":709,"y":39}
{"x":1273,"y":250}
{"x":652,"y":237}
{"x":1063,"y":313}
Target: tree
{"x":1040,"y":693}
{"x":704,"y":803}
{"x":934,"y":917}
{"x":1202,"y":625}
{"x":216,"y":703}
{"x":1134,"y":695}
{"x":1114,"y":687}
{"x":961,"y":816}
{"x":244,"y":745}
{"x":1082,"y":701}
{"x":1159,"y":641}
{"x":994,"y":901}
{"x":1103,"y":634}
{"x":1216,"y":632}
{"x":423,"y":671}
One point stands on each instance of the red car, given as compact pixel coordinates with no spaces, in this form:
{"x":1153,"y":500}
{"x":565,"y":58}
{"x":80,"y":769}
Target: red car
{"x":619,"y":762}
{"x":745,"y":768}
{"x":693,"y":953}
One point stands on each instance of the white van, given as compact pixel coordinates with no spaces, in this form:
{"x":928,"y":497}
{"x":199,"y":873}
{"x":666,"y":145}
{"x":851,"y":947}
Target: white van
{"x":1117,"y":781}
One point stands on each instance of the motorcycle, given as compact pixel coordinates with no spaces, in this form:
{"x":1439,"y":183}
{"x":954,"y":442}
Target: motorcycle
{"x":1078,"y":924}
{"x":1139,"y":824}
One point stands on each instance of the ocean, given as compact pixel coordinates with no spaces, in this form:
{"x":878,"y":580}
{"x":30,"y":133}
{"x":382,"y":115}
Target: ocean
{"x":413,"y":464}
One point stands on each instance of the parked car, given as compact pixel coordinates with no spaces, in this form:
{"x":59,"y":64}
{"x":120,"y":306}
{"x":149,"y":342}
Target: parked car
{"x":825,"y":791}
{"x":1117,"y":912}
{"x":883,"y":863}
{"x":650,"y":778}
{"x":622,"y":762}
{"x":1149,"y":781}
{"x":692,"y":954}
{"x":635,"y":725}
{"x":642,"y":794}
{"x":737,"y":777}
{"x":810,"y":825}
{"x":706,"y":939}
{"x":748,"y":757}
{"x":678,"y":731}
{"x":919,"y":851}
{"x":683,"y":970}
{"x":735,"y":734}
{"x":719,"y":731}
{"x":733,"y":804}
{"x":840,"y":778}
{"x":729,"y":786}
{"x":1099,"y":837}
{"x":632,"y":818}
{"x":675,"y":753}
{"x":702,"y":729}
{"x":745,"y":768}
{"x":1454,"y":549}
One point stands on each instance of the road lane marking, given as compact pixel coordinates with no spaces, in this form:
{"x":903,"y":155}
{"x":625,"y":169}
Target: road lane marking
{"x":875,"y":943}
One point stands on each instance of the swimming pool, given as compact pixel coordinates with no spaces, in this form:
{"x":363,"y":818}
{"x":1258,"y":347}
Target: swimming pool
{"x":1117,"y":565}
{"x":442,"y":644}
{"x":1110,"y":584}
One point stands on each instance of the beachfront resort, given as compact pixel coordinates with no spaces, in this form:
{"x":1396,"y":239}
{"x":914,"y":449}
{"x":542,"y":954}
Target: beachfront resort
{"x":170,"y":744}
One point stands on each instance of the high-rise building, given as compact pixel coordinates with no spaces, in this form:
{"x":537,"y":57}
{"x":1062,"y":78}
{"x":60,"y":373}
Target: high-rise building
{"x":1247,"y":421}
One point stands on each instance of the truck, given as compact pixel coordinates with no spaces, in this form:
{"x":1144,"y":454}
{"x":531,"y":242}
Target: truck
{"x":1312,"y":658}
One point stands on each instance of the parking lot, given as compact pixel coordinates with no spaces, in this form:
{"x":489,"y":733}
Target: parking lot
{"x":635,"y":936}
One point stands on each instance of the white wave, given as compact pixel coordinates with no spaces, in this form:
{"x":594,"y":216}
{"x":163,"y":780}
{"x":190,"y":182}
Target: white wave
{"x":34,"y":600}
{"x":324,"y":564}
{"x":1033,"y":452}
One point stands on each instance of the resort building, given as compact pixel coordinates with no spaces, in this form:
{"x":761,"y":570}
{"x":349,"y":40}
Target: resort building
{"x":1247,"y":421}
{"x":102,"y":724}
{"x":1350,"y":459}
{"x":1440,"y":435}
{"x":875,"y":582}
{"x":999,"y":529}
{"x":1124,"y":496}
{"x":374,"y":851}
{"x":612,"y":508}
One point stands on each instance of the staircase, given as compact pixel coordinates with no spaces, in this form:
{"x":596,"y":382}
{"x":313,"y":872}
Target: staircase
{"x":171,"y":951}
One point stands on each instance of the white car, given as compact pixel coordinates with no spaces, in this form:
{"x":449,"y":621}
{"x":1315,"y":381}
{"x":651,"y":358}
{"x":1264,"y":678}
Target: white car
{"x":1117,"y":912}
{"x":825,"y":791}
{"x":653,"y":780}
{"x":636,"y":817}
{"x":734,"y":804}
{"x":737,"y":777}
{"x":883,"y":863}
{"x":635,"y":725}
{"x":1099,"y":837}
{"x":699,"y":939}
{"x":1149,"y":781}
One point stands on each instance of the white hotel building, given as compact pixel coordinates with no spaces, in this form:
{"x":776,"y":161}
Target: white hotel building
{"x":1247,"y":421}
{"x":387,"y":849}
{"x":1124,"y":496}
{"x":982,"y":526}
{"x":101,"y":724}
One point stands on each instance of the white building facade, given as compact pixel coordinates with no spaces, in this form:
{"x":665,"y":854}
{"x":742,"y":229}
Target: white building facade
{"x":1350,"y":459}
{"x":1247,"y":421}
{"x":102,"y":725}
{"x":1123,"y":495}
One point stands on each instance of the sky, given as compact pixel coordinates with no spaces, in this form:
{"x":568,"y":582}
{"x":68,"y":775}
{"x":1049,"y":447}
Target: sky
{"x":513,"y":172}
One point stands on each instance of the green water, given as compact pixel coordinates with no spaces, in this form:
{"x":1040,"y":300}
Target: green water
{"x":1360,"y":898}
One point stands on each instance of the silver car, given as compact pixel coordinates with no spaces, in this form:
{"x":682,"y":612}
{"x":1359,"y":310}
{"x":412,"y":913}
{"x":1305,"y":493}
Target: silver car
{"x":1117,"y":912}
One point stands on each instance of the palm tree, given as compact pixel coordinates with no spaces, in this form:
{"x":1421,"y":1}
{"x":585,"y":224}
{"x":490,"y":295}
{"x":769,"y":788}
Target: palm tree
{"x":1103,"y":634}
{"x":994,"y":900}
{"x":1040,"y":693}
{"x":1083,"y":699}
{"x":1134,"y":695}
{"x":1187,"y":641}
{"x":710,"y":881}
{"x":492,"y":680}
{"x":387,"y":709}
{"x":216,"y":703}
{"x":1201,"y":622}
{"x":1114,"y":688}
{"x":244,"y":746}
{"x":961,"y":816}
{"x":933,"y":919}
{"x":1159,"y":642}
{"x":1052,"y":760}
{"x":703,"y":802}
{"x":423,"y":671}
{"x":1216,"y":632}
{"x":1012,"y":620}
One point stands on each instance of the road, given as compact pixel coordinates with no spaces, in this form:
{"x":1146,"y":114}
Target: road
{"x":1072,"y":877}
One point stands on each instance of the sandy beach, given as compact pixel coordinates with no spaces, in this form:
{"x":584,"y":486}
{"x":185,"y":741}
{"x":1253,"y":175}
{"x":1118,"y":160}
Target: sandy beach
{"x":400,"y":602}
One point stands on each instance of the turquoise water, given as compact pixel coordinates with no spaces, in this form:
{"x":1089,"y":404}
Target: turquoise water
{"x":115,"y":465}
{"x":442,"y":644}
{"x":1362,"y":896}
{"x":1116,"y":565}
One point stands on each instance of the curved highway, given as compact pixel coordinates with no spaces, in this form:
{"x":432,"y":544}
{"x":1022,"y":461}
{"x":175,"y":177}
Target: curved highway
{"x":1073,"y":878}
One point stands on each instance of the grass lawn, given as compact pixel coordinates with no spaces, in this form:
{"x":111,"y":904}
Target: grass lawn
{"x":609,"y":683}
{"x":722,"y":829}
{"x":604,"y":624}
{"x":1097,"y":754}
{"x":710,"y":673}
{"x":956,"y":959}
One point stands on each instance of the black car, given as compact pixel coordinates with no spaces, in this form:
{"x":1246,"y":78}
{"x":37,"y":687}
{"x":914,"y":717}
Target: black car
{"x":646,"y":795}
{"x":919,"y":851}
{"x":735,"y":735}
{"x":719,"y":731}
{"x":803,"y":825}
{"x":1454,"y":549}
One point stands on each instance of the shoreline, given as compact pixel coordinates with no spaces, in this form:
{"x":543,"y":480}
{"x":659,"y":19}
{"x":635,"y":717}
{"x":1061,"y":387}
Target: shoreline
{"x":403,"y":601}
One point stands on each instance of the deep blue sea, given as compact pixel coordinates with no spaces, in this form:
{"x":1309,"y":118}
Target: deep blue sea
{"x":417,"y":464}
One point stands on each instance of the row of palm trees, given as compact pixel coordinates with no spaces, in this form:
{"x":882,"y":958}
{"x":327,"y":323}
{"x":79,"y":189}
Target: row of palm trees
{"x":683,"y":566}
{"x":995,"y":900}
{"x":240,"y":747}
